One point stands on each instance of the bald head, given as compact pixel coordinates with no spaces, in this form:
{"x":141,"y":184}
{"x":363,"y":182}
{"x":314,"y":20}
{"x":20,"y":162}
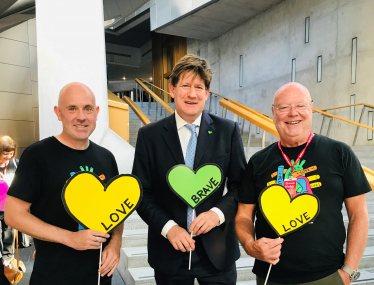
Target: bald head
{"x":74,"y":88}
{"x":290,"y":89}
{"x":292,"y":114}
{"x":78,"y":112}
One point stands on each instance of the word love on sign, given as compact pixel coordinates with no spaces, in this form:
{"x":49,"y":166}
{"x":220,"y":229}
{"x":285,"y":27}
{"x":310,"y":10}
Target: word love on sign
{"x":284,"y":213}
{"x":193,"y":188}
{"x":101,"y":207}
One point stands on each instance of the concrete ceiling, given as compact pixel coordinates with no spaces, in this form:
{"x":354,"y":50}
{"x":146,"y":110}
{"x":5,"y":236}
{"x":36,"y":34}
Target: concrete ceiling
{"x":216,"y":19}
{"x":13,"y":12}
{"x":136,"y":36}
{"x":123,"y":8}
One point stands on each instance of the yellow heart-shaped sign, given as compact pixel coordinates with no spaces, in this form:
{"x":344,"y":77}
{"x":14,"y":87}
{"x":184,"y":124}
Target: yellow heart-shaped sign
{"x":284,"y":213}
{"x":101,"y":207}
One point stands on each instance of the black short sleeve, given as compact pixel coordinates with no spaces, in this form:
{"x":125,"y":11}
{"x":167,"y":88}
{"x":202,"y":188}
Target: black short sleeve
{"x":354,"y":179}
{"x":247,"y":194}
{"x":26,"y":184}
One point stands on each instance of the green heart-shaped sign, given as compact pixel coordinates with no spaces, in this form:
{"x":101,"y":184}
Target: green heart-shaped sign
{"x":194,"y":188}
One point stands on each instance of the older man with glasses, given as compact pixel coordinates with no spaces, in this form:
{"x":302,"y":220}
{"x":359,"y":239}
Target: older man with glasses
{"x":319,"y":165}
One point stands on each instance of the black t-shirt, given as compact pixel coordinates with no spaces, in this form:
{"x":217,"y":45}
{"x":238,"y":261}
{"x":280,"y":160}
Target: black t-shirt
{"x":334,"y":173}
{"x":43,"y":169}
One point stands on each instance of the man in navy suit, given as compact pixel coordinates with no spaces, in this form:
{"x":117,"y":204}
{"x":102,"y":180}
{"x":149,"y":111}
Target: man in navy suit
{"x":162,"y":145}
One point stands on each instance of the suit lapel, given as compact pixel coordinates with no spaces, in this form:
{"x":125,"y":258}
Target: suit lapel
{"x":204,"y":138}
{"x":171,"y":138}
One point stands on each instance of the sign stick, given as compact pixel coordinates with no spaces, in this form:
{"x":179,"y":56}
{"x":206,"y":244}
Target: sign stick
{"x":101,"y":250}
{"x":193,"y":215}
{"x":267,"y":276}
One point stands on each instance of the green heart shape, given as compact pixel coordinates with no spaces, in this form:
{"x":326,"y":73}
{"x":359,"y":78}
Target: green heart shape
{"x":194,"y":188}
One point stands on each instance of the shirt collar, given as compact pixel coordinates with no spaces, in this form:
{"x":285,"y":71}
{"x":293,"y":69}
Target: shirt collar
{"x":181,"y":123}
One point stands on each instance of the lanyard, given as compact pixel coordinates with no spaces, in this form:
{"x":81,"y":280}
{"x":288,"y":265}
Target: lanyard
{"x":5,"y":169}
{"x":299,"y":156}
{"x":4,"y":172}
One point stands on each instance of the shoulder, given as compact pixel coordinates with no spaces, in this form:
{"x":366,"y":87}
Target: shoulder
{"x":154,"y":126}
{"x":265,"y":153}
{"x":331,"y":144}
{"x":102,"y":150}
{"x":42,"y":145}
{"x":222,"y":122}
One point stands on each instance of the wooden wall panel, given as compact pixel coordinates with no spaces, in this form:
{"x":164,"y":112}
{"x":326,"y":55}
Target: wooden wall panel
{"x":167,"y":50}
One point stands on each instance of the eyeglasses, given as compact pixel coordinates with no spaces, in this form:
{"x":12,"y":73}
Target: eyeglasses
{"x":287,"y":108}
{"x":188,"y":88}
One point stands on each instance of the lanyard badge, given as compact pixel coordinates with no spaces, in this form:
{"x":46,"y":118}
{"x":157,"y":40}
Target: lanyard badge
{"x":290,"y":184}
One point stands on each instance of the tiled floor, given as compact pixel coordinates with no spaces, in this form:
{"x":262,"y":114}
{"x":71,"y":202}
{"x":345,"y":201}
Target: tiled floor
{"x":25,"y":254}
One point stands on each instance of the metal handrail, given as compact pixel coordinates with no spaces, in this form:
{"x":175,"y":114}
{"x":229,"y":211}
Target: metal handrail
{"x":346,"y":106}
{"x":269,"y":127}
{"x":223,"y":97}
{"x":142,"y":117}
{"x":342,"y":119}
{"x":155,"y":97}
{"x":253,"y":117}
{"x":154,"y":86}
{"x":266,"y":117}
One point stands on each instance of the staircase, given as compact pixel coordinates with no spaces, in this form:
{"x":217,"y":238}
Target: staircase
{"x":135,"y":123}
{"x":134,"y":267}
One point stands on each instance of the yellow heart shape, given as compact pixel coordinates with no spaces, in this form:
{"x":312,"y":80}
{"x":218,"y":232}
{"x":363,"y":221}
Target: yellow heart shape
{"x":98,"y":207}
{"x":284,"y":213}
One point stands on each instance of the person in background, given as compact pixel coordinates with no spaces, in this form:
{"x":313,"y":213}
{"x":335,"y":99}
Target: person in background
{"x":8,"y":165}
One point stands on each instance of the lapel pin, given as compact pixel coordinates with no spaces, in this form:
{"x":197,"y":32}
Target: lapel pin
{"x":209,"y":132}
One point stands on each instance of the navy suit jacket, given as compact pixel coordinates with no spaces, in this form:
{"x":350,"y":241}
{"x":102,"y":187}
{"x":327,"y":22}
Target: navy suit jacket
{"x":157,"y":150}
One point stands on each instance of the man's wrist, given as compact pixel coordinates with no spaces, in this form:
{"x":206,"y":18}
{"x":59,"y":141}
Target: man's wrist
{"x":353,"y":274}
{"x":167,"y":227}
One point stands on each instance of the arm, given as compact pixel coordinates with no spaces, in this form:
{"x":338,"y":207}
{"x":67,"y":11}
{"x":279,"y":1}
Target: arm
{"x":358,"y":228}
{"x":17,"y":216}
{"x":227,"y":204}
{"x":264,"y":249}
{"x":111,"y":253}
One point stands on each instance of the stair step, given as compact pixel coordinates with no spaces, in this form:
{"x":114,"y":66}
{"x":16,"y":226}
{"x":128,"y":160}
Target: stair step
{"x":134,"y":222}
{"x":135,"y":256}
{"x":367,"y":276}
{"x":137,"y":237}
{"x":244,"y":267}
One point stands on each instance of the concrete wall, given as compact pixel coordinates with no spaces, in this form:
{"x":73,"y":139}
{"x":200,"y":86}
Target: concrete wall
{"x":166,"y":11}
{"x":271,"y":40}
{"x":19,"y":115}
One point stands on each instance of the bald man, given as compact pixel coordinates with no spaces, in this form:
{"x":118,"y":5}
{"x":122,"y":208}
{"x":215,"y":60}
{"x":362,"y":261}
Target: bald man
{"x":65,"y":253}
{"x":329,"y":170}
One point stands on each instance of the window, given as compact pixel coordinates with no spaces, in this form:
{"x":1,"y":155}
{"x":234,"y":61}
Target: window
{"x":319,"y":68}
{"x":352,"y":116}
{"x":307,"y":26}
{"x":354,"y":60}
{"x":293,"y":73}
{"x":370,"y":124}
{"x":240,"y":71}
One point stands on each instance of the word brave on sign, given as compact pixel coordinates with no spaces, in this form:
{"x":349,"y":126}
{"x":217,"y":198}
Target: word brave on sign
{"x":203,"y":193}
{"x":114,"y":217}
{"x":194,"y":187}
{"x":284,"y":213}
{"x":101,"y":207}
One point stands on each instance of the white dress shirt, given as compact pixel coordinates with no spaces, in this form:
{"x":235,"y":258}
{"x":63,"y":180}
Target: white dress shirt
{"x":184,"y":137}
